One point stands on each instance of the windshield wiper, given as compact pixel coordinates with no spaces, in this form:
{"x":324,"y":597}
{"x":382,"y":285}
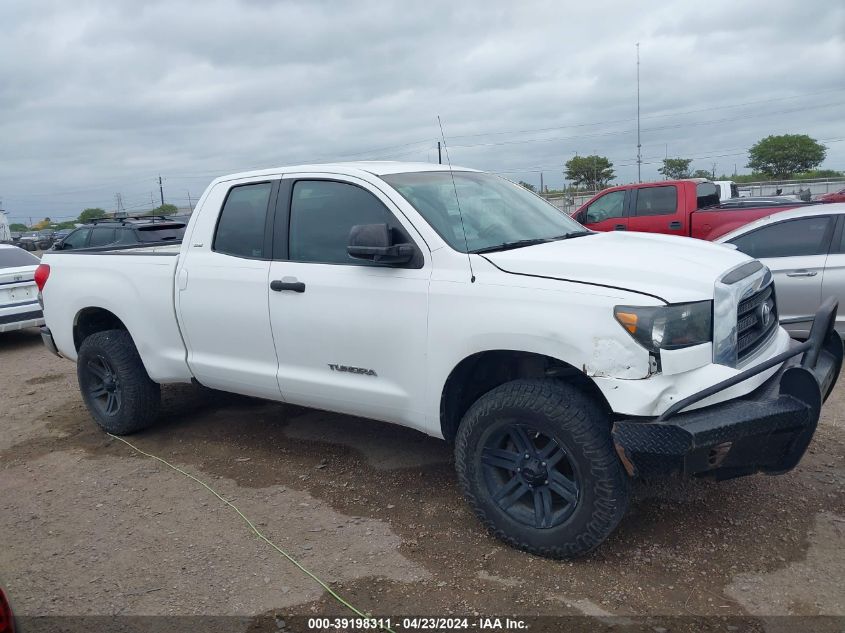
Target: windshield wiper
{"x":506,"y":246}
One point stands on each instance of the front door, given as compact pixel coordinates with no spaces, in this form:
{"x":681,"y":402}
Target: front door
{"x":795,"y":251}
{"x":350,"y":335}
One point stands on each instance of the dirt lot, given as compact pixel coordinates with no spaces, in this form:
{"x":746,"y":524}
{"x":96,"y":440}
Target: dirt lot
{"x":89,"y":527}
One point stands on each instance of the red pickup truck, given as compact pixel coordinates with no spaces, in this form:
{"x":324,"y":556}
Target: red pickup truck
{"x":677,"y":207}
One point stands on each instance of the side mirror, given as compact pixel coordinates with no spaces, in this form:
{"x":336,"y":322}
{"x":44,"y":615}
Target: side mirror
{"x":373,"y":242}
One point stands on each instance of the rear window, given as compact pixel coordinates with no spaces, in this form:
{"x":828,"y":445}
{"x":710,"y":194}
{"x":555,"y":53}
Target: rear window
{"x":657,"y":201}
{"x":169,"y":233}
{"x":14,"y":257}
{"x":707,"y":194}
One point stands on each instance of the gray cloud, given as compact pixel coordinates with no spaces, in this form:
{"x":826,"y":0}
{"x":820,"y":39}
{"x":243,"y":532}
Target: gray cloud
{"x":100,"y":97}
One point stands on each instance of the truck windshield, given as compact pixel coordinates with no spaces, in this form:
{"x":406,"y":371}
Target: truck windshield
{"x":494,"y":210}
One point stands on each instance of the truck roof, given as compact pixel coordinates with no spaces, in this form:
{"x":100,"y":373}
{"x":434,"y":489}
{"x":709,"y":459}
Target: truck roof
{"x":354,"y":168}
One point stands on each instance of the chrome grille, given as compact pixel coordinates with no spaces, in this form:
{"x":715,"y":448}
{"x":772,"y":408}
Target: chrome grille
{"x":756,"y":320}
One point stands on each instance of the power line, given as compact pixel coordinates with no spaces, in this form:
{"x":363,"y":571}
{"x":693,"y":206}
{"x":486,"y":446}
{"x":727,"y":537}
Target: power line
{"x":649,"y":116}
{"x":654,"y":129}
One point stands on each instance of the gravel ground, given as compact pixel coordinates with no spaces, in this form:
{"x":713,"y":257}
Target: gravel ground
{"x":90,"y":527}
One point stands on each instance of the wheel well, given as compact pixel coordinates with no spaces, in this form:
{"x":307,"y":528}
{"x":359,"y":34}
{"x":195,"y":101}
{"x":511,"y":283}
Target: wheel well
{"x":477,"y":374}
{"x":92,"y":320}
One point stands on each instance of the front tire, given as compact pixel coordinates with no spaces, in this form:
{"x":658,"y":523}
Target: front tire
{"x":115,"y":386}
{"x":536,"y":462}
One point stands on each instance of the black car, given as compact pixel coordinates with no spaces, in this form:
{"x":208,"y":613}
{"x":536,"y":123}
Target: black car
{"x":123,"y":232}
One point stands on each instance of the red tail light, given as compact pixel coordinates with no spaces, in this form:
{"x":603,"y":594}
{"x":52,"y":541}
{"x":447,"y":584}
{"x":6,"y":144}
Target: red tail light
{"x":7,"y":620}
{"x":41,"y":274}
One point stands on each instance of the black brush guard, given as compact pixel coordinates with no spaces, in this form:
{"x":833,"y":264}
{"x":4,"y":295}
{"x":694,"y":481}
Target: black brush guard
{"x":766,"y":431}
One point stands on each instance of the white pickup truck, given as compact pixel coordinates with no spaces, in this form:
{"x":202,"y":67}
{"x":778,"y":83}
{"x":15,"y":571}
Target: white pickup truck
{"x":559,"y":362}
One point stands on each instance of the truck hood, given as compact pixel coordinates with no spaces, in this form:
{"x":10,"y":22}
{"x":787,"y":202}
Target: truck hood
{"x":674,"y":269}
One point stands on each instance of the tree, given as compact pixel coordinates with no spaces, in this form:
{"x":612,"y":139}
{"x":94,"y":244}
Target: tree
{"x":91,"y":214}
{"x":17,"y":227}
{"x":703,"y":173}
{"x":787,"y":154}
{"x":165,"y":209}
{"x":593,"y":171}
{"x":675,"y":168}
{"x":528,"y":186}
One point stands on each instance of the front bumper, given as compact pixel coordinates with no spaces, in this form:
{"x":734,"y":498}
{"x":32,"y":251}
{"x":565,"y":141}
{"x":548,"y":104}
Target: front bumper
{"x":766,"y":431}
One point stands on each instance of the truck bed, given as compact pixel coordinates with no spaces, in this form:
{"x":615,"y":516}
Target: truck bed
{"x":119,"y":281}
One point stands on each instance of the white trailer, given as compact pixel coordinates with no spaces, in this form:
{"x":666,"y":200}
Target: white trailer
{"x":5,"y":233}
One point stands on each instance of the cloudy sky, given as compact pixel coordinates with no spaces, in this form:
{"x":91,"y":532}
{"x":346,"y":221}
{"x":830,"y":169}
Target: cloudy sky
{"x":99,"y":98}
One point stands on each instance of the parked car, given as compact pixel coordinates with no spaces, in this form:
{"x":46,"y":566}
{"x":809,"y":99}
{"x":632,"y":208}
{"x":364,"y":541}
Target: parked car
{"x":29,"y":241}
{"x":122,"y":232}
{"x":805,"y":250}
{"x":19,"y":307}
{"x":833,"y":196}
{"x":675,"y":207}
{"x":559,"y":361}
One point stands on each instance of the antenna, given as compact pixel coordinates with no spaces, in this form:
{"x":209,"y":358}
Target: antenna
{"x":458,"y":200}
{"x":639,"y":145}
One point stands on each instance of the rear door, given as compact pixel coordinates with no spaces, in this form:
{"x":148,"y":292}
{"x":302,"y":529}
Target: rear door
{"x":606,"y":213}
{"x":796,"y":252}
{"x":222,"y":283}
{"x":657,"y":209}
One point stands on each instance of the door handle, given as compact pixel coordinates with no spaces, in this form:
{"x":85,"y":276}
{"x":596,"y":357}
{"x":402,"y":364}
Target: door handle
{"x":675,"y":225}
{"x":278,"y":285}
{"x":619,"y":227}
{"x":802,"y":273}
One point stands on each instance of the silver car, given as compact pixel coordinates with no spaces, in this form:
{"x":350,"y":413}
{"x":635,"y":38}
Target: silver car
{"x":805,"y":250}
{"x":19,"y":307}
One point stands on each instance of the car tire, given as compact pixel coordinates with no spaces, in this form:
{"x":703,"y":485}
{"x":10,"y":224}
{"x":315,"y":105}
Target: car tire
{"x":536,"y":463}
{"x":115,"y":386}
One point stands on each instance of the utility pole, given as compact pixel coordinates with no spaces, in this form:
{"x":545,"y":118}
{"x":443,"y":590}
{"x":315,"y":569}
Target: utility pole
{"x":160,"y":190}
{"x":541,"y":182}
{"x":439,"y":155}
{"x":639,"y":145}
{"x":190,"y":205}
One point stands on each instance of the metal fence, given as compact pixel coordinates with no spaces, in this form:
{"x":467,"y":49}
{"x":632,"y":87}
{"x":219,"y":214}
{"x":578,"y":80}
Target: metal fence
{"x":569,"y":202}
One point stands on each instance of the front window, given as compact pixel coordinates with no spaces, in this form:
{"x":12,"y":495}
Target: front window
{"x":610,"y":205}
{"x":493,"y":211}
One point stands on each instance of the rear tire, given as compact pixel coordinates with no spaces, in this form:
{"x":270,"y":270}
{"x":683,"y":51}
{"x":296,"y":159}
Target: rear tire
{"x":536,"y":462}
{"x":115,"y":386}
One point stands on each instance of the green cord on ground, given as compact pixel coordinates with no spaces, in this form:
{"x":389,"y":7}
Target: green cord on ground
{"x":299,"y":565}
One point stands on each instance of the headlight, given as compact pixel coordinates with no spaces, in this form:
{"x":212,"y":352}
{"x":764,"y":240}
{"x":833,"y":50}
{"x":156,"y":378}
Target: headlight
{"x":668,"y":327}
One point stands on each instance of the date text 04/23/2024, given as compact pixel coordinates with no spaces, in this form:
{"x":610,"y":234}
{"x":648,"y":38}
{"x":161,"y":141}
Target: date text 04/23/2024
{"x":418,"y":624}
